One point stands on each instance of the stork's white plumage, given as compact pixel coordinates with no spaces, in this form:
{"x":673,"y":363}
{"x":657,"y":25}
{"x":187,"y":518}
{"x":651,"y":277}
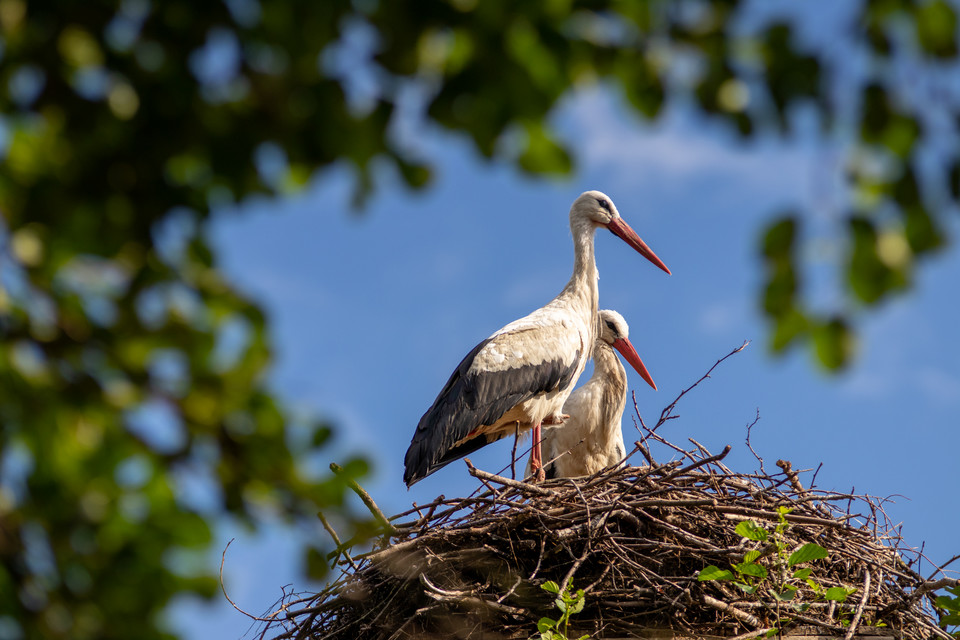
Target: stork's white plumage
{"x":519,"y":378}
{"x":591,"y":438}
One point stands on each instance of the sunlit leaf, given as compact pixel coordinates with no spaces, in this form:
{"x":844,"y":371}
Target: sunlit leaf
{"x":808,"y":552}
{"x":713,"y":572}
{"x":751,"y":530}
{"x":834,"y":343}
{"x":751,"y":569}
{"x":837,"y":594}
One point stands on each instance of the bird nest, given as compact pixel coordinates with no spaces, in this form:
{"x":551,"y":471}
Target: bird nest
{"x":637,"y":540}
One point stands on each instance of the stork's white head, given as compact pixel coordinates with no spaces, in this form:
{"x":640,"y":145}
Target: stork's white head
{"x":594,"y":206}
{"x":595,"y":209}
{"x":612,"y":326}
{"x":615,"y":332}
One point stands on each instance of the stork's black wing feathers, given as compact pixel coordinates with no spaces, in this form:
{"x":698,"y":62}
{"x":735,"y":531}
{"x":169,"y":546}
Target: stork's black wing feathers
{"x":473,"y":398}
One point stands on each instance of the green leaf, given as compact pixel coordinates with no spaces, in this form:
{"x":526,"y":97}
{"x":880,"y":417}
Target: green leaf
{"x":837,"y":594}
{"x":948,"y":603}
{"x":779,"y":237}
{"x":869,"y":276}
{"x":714,"y":572}
{"x":751,"y":569}
{"x":578,"y":601}
{"x":751,"y":556}
{"x":550,"y":586}
{"x":746,"y":588}
{"x":950,"y":619}
{"x":790,"y":326}
{"x":748,"y":529}
{"x":784,"y":596}
{"x":803,"y":574}
{"x":545,"y":624}
{"x":317,"y":566}
{"x":543,"y":154}
{"x":936,"y":28}
{"x":806,"y":553}
{"x":834,"y":343}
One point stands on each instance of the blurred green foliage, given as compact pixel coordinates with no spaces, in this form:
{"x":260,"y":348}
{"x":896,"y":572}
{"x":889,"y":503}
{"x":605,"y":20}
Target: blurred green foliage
{"x":128,"y":364}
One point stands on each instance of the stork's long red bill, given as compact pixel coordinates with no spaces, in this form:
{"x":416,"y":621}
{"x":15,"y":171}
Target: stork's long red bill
{"x":626,"y":349}
{"x":623,"y":231}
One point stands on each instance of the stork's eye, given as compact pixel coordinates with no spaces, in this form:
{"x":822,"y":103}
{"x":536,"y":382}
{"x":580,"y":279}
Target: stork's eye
{"x":610,"y":326}
{"x":604,"y":204}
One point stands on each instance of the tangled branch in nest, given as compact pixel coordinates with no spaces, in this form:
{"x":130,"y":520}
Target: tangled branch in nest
{"x":635,"y":539}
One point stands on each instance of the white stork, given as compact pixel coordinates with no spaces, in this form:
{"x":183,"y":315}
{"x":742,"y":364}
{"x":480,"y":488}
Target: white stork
{"x":519,"y":377}
{"x":590,"y":439}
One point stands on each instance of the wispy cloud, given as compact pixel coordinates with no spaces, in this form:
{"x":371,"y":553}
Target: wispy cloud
{"x":938,"y":385}
{"x":675,"y":149}
{"x":717,"y":318}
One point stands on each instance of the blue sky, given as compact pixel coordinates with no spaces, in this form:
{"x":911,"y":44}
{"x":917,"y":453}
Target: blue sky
{"x":370,"y":313}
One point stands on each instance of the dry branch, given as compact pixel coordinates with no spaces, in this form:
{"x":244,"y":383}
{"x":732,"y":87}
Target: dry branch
{"x":636,"y":538}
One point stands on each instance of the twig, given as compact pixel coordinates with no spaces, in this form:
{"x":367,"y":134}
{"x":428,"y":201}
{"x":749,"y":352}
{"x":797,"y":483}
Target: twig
{"x":756,"y":633}
{"x":750,"y":446}
{"x":336,"y":540}
{"x":792,"y":475}
{"x":855,"y":622}
{"x":742,"y":616}
{"x":665,"y":414}
{"x":699,"y":463}
{"x":223,"y":588}
{"x":367,"y":500}
{"x":514,"y":484}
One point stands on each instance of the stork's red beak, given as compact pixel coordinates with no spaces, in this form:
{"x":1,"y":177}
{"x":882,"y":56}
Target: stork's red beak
{"x":626,"y":349}
{"x":623,"y":231}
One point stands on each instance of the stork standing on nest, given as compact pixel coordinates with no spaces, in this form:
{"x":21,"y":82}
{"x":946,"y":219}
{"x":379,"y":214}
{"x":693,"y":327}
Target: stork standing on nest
{"x":519,"y":378}
{"x":591,"y":439}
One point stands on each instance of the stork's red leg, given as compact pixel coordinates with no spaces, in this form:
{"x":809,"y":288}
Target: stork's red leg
{"x":536,"y":459}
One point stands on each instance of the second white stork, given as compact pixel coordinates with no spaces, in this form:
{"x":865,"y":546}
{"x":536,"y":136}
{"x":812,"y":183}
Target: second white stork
{"x":591,"y":439}
{"x":519,"y":378}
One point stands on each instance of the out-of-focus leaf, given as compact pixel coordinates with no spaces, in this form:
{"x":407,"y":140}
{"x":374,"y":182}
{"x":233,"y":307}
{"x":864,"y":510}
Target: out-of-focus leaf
{"x":936,"y":28}
{"x":788,"y":327}
{"x":869,"y":276}
{"x":543,"y":154}
{"x":779,"y":237}
{"x":922,"y":232}
{"x":834,"y":343}
{"x":881,"y":123}
{"x":317,"y":566}
{"x":791,"y":75}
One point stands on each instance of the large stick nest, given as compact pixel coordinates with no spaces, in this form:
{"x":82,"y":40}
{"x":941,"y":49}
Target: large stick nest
{"x":635,"y":539}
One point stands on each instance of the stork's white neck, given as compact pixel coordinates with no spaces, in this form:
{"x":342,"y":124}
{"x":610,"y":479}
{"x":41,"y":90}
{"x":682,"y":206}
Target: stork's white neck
{"x":609,"y":372}
{"x":606,"y":364}
{"x":582,"y":291}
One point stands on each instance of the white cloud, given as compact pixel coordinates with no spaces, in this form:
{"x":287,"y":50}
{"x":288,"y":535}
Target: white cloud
{"x":719,"y":317}
{"x":938,"y":385}
{"x":675,"y":149}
